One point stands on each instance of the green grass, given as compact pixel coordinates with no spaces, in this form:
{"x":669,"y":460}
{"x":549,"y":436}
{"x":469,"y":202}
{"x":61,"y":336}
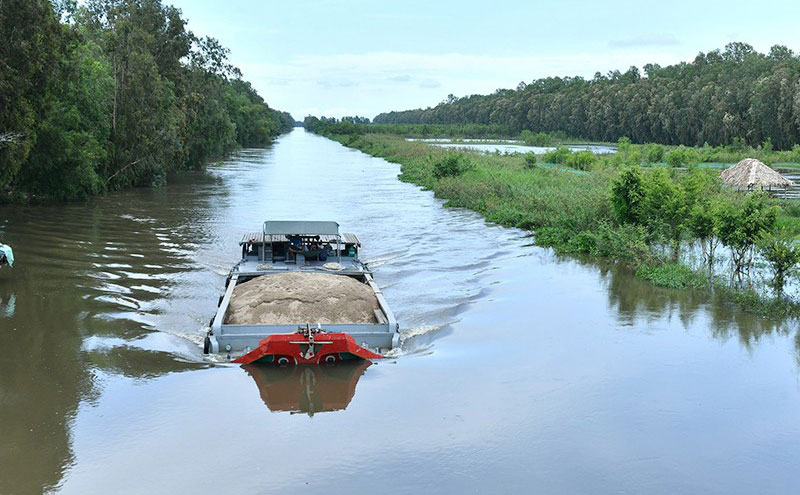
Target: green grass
{"x":748,"y":299}
{"x":569,"y":210}
{"x":501,"y":187}
{"x":672,"y":276}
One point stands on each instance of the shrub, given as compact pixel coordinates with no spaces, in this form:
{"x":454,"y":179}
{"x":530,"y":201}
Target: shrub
{"x":627,"y":195}
{"x":582,"y":242}
{"x":539,"y":139}
{"x":624,"y":145}
{"x":795,"y":154}
{"x":742,"y":223}
{"x":737,"y":145}
{"x":551,"y":237}
{"x":582,"y":160}
{"x":530,"y":160}
{"x":653,"y":153}
{"x":782,"y":254}
{"x":451,"y":165}
{"x":558,"y":155}
{"x":676,"y":157}
{"x":672,"y":275}
{"x":627,"y":243}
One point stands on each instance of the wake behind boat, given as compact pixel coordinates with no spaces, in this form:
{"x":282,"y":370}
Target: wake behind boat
{"x":301,"y":295}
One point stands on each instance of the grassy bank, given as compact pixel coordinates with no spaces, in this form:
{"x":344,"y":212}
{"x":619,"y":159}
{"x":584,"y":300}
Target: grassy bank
{"x":649,"y":154}
{"x":570,"y":203}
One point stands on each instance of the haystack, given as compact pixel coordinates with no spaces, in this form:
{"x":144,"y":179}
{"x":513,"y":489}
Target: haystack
{"x":299,"y":298}
{"x":752,"y":174}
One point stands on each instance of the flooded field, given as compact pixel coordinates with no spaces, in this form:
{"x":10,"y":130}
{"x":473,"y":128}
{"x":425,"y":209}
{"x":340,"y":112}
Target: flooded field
{"x":511,"y":146}
{"x":518,"y":368}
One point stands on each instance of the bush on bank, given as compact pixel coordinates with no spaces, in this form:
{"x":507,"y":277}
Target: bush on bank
{"x":643,"y":217}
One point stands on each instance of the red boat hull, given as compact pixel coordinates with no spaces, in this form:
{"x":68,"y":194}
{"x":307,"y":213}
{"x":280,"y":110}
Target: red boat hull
{"x":287,"y":349}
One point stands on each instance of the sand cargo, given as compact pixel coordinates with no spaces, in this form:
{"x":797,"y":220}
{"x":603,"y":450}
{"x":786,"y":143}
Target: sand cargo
{"x":301,"y":280}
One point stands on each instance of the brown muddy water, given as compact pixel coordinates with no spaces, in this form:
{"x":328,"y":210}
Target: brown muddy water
{"x":520,"y":371}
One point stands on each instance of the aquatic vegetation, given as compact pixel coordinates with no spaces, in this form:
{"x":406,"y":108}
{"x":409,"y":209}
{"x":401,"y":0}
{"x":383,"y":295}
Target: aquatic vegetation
{"x":629,"y":214}
{"x":451,"y":165}
{"x":673,"y":276}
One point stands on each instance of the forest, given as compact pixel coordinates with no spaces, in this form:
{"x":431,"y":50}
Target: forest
{"x":721,"y":97}
{"x":111,"y":94}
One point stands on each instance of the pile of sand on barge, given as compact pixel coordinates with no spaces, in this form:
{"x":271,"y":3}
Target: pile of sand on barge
{"x":297,"y":298}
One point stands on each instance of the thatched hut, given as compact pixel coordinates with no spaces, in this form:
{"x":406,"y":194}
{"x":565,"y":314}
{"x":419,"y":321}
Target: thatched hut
{"x":750,"y":174}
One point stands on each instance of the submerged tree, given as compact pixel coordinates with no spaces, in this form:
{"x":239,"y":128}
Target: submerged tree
{"x":782,"y":253}
{"x":741,"y":224}
{"x":702,"y":223}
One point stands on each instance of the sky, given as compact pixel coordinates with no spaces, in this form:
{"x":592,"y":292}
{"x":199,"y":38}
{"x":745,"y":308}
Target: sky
{"x":360,"y":57}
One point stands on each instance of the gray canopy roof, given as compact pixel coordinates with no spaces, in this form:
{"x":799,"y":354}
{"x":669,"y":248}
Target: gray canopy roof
{"x":303,"y":227}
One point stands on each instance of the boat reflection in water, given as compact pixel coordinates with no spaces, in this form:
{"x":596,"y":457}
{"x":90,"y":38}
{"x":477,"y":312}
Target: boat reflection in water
{"x":308,"y":389}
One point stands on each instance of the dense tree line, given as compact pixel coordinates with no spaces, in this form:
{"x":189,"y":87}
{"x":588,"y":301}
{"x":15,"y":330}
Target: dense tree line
{"x":115,"y":93}
{"x":362,"y":125}
{"x":719,"y":98}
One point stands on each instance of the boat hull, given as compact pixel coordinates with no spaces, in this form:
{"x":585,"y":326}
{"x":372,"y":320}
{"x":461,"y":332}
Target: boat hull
{"x":297,"y":349}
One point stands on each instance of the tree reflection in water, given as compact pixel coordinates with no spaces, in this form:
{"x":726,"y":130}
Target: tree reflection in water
{"x":635,"y":298}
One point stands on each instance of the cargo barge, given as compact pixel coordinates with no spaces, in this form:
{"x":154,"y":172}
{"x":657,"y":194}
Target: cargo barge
{"x":301,"y":295}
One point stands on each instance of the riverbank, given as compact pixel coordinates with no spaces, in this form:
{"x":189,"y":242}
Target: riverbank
{"x":567,"y":200}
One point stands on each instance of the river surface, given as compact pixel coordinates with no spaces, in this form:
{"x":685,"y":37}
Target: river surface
{"x":519,"y":372}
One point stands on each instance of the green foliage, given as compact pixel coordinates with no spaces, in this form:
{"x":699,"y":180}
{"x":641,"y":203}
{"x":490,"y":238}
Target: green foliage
{"x":574,"y":213}
{"x":541,"y":139}
{"x":672,"y":276}
{"x":753,"y":301}
{"x":676,"y":157}
{"x":32,"y":44}
{"x":582,"y":160}
{"x":781,"y":252}
{"x":627,"y":194}
{"x":362,"y":125}
{"x":702,"y":223}
{"x":652,"y":153}
{"x":664,"y":205}
{"x":624,"y":242}
{"x":530,"y":160}
{"x":624,"y":145}
{"x":557,"y":156}
{"x":741,"y":223}
{"x":71,"y":151}
{"x":113,"y":94}
{"x":734,"y":96}
{"x":451,"y":165}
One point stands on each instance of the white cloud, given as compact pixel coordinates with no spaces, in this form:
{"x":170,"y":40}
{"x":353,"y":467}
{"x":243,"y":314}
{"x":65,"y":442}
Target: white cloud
{"x":370,"y":83}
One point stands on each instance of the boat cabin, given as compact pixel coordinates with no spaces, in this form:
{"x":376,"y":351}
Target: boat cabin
{"x":299,"y":243}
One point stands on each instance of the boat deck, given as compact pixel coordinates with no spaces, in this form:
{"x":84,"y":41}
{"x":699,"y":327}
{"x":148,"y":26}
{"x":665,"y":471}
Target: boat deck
{"x":349,"y":266}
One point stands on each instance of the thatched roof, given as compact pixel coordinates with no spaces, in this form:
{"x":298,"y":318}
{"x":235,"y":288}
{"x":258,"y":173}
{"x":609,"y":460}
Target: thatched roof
{"x":751,"y":174}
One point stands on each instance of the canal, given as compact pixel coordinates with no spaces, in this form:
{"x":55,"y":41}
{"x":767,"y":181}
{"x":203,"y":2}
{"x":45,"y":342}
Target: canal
{"x":519,"y":369}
